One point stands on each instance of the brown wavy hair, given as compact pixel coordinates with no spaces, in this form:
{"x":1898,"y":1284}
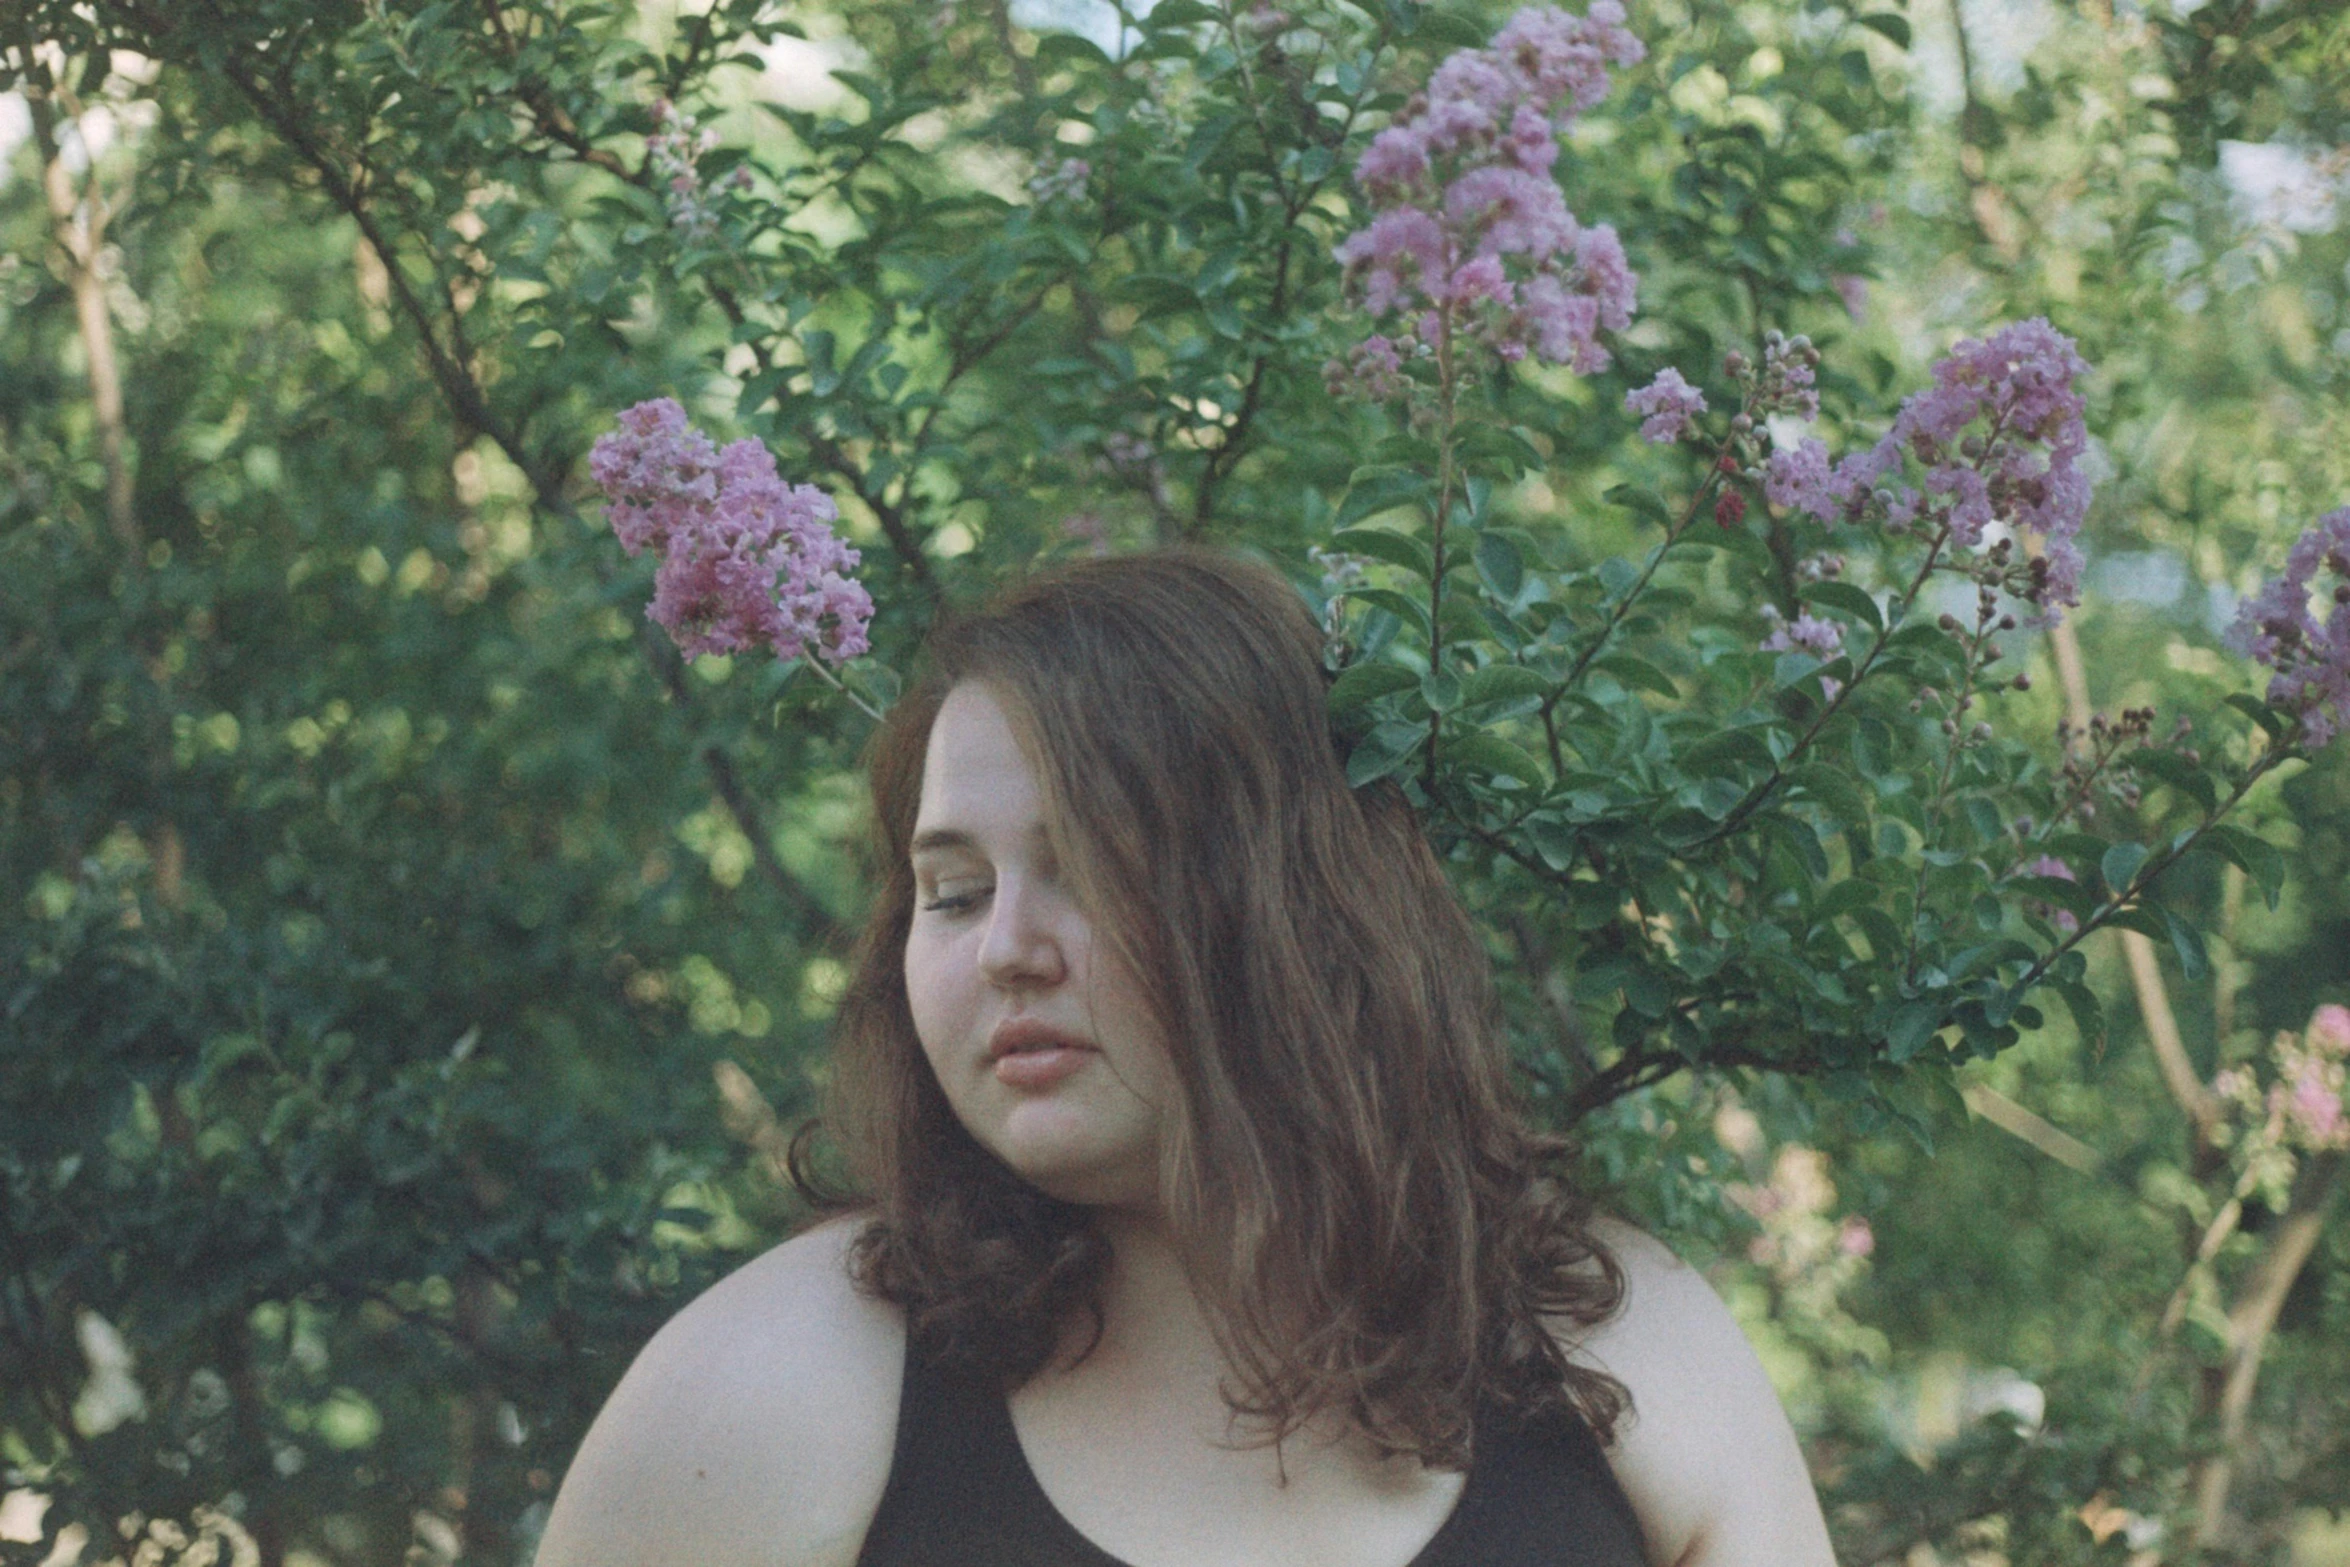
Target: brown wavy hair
{"x":1383,"y":1230}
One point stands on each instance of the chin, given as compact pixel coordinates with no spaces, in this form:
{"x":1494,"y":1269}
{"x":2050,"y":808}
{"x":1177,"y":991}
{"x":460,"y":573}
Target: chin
{"x":1086,"y":1176}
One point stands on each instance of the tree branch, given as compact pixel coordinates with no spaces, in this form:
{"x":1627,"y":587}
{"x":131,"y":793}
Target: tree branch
{"x":2162,"y":1026}
{"x":2250,"y":1322}
{"x":78,"y":222}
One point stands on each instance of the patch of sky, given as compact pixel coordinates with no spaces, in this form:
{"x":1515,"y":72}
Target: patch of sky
{"x":2151,"y":577}
{"x":2277,"y":185}
{"x":1109,"y":25}
{"x":2000,"y":36}
{"x":2219,"y":607}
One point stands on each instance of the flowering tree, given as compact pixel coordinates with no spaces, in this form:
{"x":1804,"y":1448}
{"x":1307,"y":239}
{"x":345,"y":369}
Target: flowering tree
{"x":1760,"y":863}
{"x":434,"y":822}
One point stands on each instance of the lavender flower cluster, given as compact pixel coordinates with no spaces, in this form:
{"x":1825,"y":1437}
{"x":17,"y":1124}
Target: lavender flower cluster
{"x":675,"y":151}
{"x":1666,"y":405}
{"x":2311,"y":659}
{"x":1472,"y":234}
{"x":2000,"y":436}
{"x":727,"y":529}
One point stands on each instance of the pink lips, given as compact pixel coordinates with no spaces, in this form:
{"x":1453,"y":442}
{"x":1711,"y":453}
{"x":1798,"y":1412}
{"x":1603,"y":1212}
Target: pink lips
{"x":1029,"y":1055}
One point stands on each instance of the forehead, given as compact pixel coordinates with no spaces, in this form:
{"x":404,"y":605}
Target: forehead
{"x":975,"y":777}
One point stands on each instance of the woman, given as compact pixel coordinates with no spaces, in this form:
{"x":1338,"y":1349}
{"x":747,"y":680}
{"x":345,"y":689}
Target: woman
{"x":1200,"y":1227}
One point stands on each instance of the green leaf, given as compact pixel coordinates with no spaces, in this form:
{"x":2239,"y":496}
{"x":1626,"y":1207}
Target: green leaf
{"x":1890,"y":25}
{"x":1843,"y":898}
{"x":1883,"y":934}
{"x":1638,"y":673}
{"x":1844,"y":596}
{"x":1177,"y":13}
{"x":2171,"y":768}
{"x":1718,"y":797}
{"x":2143,"y":918}
{"x":1486,"y":445}
{"x":1441,"y":690}
{"x":2187,"y":942}
{"x":1644,"y":502}
{"x":2260,"y":713}
{"x":1500,"y":567}
{"x":1381,"y":492}
{"x":1493,"y":754}
{"x":1445,"y":27}
{"x":1361,"y":683}
{"x":1396,"y":549}
{"x":1382,"y":751}
{"x":1053,"y":47}
{"x":1555,"y":841}
{"x":2088,"y":1014}
{"x":1792,"y":667}
{"x":1394,"y":603}
{"x":874,"y":680}
{"x":1912,"y":1026}
{"x":2070,"y":896}
{"x":2121,"y":862}
{"x":2255,"y":856}
{"x":1499,"y":682}
{"x":1833,"y":790}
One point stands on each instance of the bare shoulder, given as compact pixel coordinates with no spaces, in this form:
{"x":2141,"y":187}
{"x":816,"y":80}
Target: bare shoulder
{"x":1707,"y":1457}
{"x":756,"y":1427}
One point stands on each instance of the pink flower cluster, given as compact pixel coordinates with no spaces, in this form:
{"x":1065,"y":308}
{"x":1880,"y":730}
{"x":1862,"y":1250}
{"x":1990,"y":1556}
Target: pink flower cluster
{"x":2000,"y":436}
{"x":1472,"y":234}
{"x":1372,"y":370}
{"x":1669,"y":403}
{"x":727,"y":529}
{"x":2311,"y":659}
{"x":2304,"y":1105}
{"x":675,"y":150}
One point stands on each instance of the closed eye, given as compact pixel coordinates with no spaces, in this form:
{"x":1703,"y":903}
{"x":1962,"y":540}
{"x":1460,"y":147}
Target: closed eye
{"x":956,"y":902}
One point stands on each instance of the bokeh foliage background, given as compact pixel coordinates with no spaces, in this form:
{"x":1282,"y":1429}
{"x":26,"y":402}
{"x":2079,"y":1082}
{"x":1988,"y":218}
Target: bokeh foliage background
{"x":407,"y":967}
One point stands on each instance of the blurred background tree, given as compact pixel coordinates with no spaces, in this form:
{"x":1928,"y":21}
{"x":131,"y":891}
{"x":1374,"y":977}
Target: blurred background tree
{"x":411,"y":965}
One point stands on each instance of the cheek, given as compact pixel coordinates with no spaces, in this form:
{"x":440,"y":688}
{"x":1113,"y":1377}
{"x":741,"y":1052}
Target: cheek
{"x":932,"y":994}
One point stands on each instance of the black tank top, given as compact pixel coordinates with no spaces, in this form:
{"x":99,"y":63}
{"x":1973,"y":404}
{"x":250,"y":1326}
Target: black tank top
{"x":961,"y":1494}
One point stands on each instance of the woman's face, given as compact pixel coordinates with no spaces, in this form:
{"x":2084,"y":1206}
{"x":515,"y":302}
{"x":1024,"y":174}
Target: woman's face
{"x":1038,"y":1033}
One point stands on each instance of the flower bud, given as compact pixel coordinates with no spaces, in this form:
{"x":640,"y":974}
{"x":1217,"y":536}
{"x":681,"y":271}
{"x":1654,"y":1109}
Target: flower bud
{"x":1734,"y":364}
{"x":2021,"y":683}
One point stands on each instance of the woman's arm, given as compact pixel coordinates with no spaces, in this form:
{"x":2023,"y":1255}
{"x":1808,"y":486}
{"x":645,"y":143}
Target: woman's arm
{"x":1708,"y":1458}
{"x":754,"y":1430}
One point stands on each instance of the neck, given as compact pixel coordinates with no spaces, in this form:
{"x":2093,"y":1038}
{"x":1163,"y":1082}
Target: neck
{"x":1158,"y":1346}
{"x":1152,"y":1314}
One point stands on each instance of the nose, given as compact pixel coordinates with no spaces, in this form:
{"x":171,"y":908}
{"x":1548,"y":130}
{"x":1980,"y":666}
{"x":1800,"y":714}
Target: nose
{"x":1021,"y":949}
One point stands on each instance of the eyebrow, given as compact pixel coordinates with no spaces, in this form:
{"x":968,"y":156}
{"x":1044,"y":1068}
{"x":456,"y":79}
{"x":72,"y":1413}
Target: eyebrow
{"x":932,"y":839}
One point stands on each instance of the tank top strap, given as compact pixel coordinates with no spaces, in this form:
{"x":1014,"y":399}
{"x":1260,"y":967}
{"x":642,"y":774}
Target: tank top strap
{"x":1540,"y":1494}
